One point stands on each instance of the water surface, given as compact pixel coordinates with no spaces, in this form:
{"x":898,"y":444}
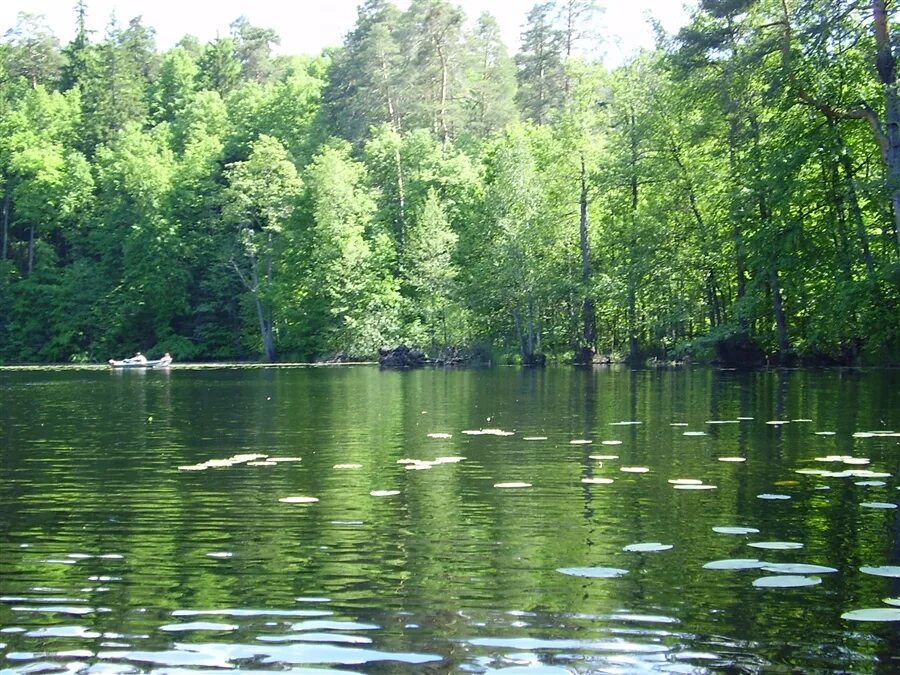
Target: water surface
{"x":124,"y":548}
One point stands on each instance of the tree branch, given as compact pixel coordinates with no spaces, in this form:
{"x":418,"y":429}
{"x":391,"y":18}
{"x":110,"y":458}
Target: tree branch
{"x":863,"y":112}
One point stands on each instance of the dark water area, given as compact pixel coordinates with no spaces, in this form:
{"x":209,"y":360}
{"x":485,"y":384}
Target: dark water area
{"x":144,"y":526}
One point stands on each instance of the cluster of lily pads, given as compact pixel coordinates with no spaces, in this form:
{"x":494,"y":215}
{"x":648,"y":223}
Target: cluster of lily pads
{"x":782,"y":575}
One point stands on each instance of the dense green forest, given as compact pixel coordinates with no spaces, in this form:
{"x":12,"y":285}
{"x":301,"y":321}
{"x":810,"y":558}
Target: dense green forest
{"x":734,"y":194}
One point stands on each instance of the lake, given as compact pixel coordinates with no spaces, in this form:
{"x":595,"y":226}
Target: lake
{"x":353,"y":520}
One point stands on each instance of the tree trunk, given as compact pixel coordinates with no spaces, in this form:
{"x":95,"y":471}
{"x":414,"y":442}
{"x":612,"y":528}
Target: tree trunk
{"x":856,"y":211}
{"x":4,"y":246}
{"x":30,"y":249}
{"x":886,"y":63}
{"x":780,"y":322}
{"x":589,"y":334}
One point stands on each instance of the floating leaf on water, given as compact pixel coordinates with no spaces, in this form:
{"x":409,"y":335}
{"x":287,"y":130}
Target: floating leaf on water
{"x":384,"y":493}
{"x":825,"y":433}
{"x":864,"y":434}
{"x":285,"y":459}
{"x":777,"y":545}
{"x":535,"y":438}
{"x":873,"y":614}
{"x":865,"y":473}
{"x":857,"y":460}
{"x":694,"y":487}
{"x":634,"y":469}
{"x":871,"y":483}
{"x":611,"y":442}
{"x":732,"y":459}
{"x":298,"y":500}
{"x":649,"y":547}
{"x":440,"y":435}
{"x":736,"y":530}
{"x":193,"y":467}
{"x":264,"y":463}
{"x":488,"y":432}
{"x":744,"y":419}
{"x":580,"y":441}
{"x":679,"y":424}
{"x":593,"y":572}
{"x":721,"y":421}
{"x":597,"y":481}
{"x":685,"y":481}
{"x":798,"y":568}
{"x":769,"y":495}
{"x":892,"y":601}
{"x":879,"y":505}
{"x":452,"y":459}
{"x":786,"y":581}
{"x":419,"y":466}
{"x":785,"y":483}
{"x":512,"y":484}
{"x":734,"y":564}
{"x":219,"y":554}
{"x":603,"y":457}
{"x":694,"y":433}
{"x":882,"y":571}
{"x":813,"y":472}
{"x":347,"y":466}
{"x":622,"y":424}
{"x":778,"y":422}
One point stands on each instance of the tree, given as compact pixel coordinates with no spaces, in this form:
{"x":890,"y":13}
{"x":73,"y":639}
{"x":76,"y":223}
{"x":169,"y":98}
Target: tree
{"x":490,"y":81}
{"x":349,"y":298}
{"x":259,"y":202}
{"x":541,"y":73}
{"x":33,"y":51}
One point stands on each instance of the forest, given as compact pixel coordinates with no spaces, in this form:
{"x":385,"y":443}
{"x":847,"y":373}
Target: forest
{"x":732,"y":195}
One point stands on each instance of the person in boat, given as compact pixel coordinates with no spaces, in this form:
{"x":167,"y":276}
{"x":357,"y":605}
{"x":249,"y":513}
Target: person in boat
{"x":139,"y":358}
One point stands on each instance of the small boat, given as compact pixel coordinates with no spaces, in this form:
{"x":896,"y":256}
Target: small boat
{"x":141,"y":363}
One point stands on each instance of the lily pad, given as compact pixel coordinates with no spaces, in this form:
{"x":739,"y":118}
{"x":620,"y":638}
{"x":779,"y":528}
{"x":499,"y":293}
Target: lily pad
{"x":736,"y":530}
{"x":299,"y":500}
{"x":603,"y":457}
{"x":694,"y":433}
{"x":735,"y":564}
{"x":798,"y":568}
{"x":580,"y":441}
{"x":826,"y":433}
{"x":512,"y":484}
{"x":732,"y":459}
{"x":882,"y":571}
{"x":694,"y":487}
{"x":535,"y":438}
{"x":777,"y":545}
{"x":649,"y":547}
{"x":786,"y":581}
{"x":348,"y":466}
{"x":873,"y":614}
{"x":685,"y":481}
{"x":623,"y":424}
{"x":892,"y":601}
{"x":871,"y":483}
{"x":384,"y":493}
{"x":593,"y":572}
{"x":634,"y":469}
{"x":440,"y":435}
{"x":597,"y":481}
{"x":769,"y":495}
{"x":611,"y":442}
{"x":879,"y":505}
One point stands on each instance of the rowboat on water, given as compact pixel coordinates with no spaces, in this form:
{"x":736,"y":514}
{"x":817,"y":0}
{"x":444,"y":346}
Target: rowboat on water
{"x":140,"y":361}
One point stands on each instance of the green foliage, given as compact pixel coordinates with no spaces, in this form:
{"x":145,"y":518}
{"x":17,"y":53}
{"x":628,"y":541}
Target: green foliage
{"x":728,"y":198}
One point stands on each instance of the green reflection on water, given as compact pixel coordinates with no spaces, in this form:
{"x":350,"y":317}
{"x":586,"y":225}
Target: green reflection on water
{"x":90,"y":469}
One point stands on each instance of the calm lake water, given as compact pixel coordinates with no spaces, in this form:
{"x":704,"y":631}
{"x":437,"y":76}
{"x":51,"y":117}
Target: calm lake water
{"x":123,"y":549}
